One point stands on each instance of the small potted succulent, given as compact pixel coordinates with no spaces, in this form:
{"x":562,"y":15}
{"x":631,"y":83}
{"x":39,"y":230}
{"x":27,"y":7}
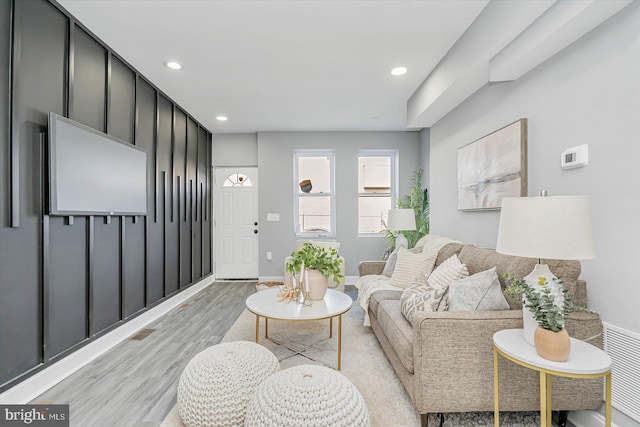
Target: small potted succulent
{"x":316,"y":264}
{"x":551,"y":338}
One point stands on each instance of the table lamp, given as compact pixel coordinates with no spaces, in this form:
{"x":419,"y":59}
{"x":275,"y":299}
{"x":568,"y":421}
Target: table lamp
{"x":401,"y":220}
{"x":544,"y":227}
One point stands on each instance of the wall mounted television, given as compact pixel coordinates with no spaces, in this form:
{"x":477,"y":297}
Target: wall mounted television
{"x":92,"y":173}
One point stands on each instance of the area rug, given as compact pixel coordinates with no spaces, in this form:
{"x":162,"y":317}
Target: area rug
{"x":363,"y":363}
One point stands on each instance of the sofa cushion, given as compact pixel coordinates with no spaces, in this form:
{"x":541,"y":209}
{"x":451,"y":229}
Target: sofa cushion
{"x":397,"y":330}
{"x":410,"y":265}
{"x":479,"y":292}
{"x":390,"y":265}
{"x":378,"y":296}
{"x":481,"y":259}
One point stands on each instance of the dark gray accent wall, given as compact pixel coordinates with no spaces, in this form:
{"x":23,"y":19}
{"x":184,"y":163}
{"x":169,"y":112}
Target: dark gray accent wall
{"x":67,"y":280}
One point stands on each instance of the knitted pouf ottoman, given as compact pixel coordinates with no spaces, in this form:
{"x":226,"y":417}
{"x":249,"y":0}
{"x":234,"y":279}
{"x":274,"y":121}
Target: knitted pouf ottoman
{"x":307,"y":395}
{"x":217,"y":383}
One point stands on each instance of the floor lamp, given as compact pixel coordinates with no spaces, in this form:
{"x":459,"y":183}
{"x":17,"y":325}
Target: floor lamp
{"x":544,"y":227}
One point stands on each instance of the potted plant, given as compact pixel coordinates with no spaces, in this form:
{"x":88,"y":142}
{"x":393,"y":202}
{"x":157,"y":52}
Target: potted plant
{"x":317,"y":264}
{"x":418,"y":200}
{"x":551,"y":338}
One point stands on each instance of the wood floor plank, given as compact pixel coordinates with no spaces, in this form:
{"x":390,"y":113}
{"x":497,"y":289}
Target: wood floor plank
{"x":135,"y":383}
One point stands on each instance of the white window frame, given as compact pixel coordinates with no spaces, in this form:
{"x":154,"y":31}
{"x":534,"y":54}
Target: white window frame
{"x":394,"y":164}
{"x":296,"y":193}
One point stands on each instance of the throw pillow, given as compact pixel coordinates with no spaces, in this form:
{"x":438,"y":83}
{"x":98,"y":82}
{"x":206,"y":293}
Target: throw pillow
{"x":427,"y":292}
{"x":409,"y":265}
{"x":480,"y":292}
{"x":390,"y":265}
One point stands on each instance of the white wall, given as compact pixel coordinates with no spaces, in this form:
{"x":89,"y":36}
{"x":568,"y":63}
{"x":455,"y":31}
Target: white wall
{"x":235,"y":149}
{"x":425,"y":156}
{"x":275,"y":164}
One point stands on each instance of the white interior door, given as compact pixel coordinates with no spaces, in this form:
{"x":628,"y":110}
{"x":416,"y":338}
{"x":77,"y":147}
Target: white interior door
{"x":236,"y":223}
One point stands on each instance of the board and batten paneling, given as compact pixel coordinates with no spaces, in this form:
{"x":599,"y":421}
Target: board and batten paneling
{"x":67,"y":280}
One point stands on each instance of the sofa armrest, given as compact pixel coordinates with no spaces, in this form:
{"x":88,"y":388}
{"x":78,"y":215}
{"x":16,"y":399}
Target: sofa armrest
{"x":366,"y":268}
{"x":454,"y":351}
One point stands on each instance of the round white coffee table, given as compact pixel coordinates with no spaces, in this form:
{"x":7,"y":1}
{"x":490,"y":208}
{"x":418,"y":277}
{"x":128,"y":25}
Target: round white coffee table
{"x":265,"y":304}
{"x":585,"y":361}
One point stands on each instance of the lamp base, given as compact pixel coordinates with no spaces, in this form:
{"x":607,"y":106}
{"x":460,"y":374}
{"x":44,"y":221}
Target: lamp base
{"x":530,"y":322}
{"x":401,"y":241}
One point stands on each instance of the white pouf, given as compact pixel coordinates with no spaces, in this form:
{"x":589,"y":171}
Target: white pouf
{"x":217,"y":383}
{"x":307,"y":395}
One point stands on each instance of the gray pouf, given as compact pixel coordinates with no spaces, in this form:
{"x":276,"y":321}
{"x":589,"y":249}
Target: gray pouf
{"x":217,"y":383}
{"x":307,"y":395}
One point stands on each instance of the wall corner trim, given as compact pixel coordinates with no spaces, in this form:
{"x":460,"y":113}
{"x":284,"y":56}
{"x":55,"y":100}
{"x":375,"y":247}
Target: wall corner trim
{"x":37,"y":384}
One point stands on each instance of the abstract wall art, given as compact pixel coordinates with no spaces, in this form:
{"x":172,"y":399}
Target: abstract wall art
{"x":493,"y":167}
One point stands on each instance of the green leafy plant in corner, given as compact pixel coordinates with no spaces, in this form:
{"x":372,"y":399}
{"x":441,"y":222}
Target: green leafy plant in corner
{"x":326,"y":261}
{"x":418,"y":200}
{"x":541,"y":303}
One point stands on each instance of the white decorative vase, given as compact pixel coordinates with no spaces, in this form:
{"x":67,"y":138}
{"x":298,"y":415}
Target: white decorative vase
{"x":317,"y":285}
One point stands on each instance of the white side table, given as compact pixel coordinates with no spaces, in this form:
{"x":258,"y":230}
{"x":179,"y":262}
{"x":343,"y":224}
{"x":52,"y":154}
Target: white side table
{"x":585,"y":361}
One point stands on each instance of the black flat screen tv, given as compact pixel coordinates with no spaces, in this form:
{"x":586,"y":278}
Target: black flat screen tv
{"x":92,"y":173}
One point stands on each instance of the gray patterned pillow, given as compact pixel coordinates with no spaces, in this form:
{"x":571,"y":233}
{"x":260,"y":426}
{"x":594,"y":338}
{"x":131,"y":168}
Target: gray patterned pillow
{"x":480,"y":292}
{"x":427,"y":292}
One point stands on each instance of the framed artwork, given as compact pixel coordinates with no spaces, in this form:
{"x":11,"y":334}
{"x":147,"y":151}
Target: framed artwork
{"x":492,"y":168}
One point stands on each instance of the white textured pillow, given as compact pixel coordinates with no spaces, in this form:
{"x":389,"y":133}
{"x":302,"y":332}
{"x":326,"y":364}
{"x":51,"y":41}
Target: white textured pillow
{"x":429,"y":294}
{"x":410,"y":265}
{"x":480,"y":292}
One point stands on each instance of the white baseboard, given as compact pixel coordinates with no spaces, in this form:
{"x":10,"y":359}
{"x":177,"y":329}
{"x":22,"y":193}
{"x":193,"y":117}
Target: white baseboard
{"x":37,"y":384}
{"x":587,"y":419}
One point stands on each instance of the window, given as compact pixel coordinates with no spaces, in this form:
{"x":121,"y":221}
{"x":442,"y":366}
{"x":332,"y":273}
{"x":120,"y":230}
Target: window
{"x":377,"y":184}
{"x":237,"y":180}
{"x":314,"y":193}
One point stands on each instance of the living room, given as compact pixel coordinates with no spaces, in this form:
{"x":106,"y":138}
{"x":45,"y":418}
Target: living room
{"x":568,"y":68}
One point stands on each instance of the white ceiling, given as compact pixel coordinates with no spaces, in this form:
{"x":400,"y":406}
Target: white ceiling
{"x":283,"y":65}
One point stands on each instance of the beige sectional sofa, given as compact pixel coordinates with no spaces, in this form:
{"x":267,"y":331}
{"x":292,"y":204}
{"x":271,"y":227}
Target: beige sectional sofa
{"x":445,"y":359}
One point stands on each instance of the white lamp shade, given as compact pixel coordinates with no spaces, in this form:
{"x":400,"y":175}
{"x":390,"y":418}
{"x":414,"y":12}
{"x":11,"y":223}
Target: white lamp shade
{"x":556,"y":227}
{"x":401,"y":219}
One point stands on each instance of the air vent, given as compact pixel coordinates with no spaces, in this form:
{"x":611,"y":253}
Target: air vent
{"x":141,"y":334}
{"x":623,"y":347}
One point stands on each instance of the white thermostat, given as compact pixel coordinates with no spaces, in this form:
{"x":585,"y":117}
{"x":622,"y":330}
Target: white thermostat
{"x":575,"y":157}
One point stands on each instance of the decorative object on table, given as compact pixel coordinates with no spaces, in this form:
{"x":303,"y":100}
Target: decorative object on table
{"x":316,"y":264}
{"x":289,"y":293}
{"x":418,"y":200}
{"x":307,"y":395}
{"x":545,"y":227}
{"x":493,"y":167}
{"x":218,"y":382}
{"x":550,"y":337}
{"x":263,"y":286}
{"x":401,"y":220}
{"x":305,"y":185}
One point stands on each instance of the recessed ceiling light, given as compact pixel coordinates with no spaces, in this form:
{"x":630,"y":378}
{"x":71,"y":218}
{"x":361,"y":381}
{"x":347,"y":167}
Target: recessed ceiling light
{"x":222,"y":118}
{"x":399,"y":71}
{"x":173,"y":65}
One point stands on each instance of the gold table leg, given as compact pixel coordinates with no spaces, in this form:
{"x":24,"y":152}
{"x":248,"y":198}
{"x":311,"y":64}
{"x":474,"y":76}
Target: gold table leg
{"x":496,"y":391}
{"x":266,"y":327}
{"x":257,"y":328}
{"x":331,"y":327}
{"x":543,"y":399}
{"x":549,"y":394}
{"x":607,"y":405}
{"x":339,"y":341}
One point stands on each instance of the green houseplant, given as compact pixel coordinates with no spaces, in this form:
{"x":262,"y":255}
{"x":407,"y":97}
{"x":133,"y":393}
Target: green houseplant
{"x":418,"y":200}
{"x":325,"y":262}
{"x":551,"y":338}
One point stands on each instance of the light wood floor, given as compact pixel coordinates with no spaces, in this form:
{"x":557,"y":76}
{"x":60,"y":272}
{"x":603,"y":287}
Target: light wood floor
{"x":135,"y":383}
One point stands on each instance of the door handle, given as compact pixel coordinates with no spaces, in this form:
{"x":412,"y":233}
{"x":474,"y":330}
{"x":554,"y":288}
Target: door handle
{"x":255,"y":231}
{"x":255,"y":223}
